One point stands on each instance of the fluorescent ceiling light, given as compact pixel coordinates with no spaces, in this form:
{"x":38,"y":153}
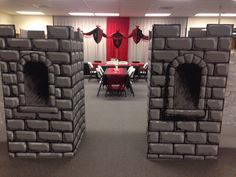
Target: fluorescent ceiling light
{"x":228,"y":15}
{"x":158,"y":15}
{"x":207,"y":15}
{"x":81,"y":14}
{"x":107,"y":14}
{"x":29,"y":13}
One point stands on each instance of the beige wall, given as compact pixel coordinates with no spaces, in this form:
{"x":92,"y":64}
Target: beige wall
{"x":31,"y":22}
{"x":5,"y":18}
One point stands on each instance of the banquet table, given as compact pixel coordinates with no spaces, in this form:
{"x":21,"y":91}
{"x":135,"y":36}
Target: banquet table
{"x":137,"y":65}
{"x":117,"y":76}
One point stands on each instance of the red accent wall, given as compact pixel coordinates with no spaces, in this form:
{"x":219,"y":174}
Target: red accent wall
{"x":114,"y":24}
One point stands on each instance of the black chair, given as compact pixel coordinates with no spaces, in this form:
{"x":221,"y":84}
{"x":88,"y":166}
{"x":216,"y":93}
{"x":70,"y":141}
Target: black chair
{"x":86,"y":69}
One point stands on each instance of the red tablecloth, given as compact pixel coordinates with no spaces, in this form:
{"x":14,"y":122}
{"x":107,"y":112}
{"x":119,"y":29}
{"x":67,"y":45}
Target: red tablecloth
{"x":116,"y":72}
{"x":103,"y":64}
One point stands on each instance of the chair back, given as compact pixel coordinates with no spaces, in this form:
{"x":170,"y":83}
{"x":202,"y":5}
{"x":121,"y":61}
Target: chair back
{"x":90,"y":65}
{"x":86,"y":69}
{"x":131,"y":73}
{"x":100,"y":68}
{"x":130,"y":68}
{"x":145,"y":66}
{"x":99,"y":73}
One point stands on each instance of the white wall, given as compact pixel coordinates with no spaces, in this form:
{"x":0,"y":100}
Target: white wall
{"x":31,"y":22}
{"x":5,"y":18}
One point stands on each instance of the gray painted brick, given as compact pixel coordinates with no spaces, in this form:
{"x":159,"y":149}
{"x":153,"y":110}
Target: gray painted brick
{"x":224,"y":43}
{"x":11,"y":102}
{"x":161,"y":126}
{"x":8,"y":113}
{"x":193,"y":157}
{"x":50,"y":136}
{"x":67,"y":93}
{"x":217,"y":57}
{"x":161,"y":148}
{"x":39,"y":147}
{"x":209,"y":126}
{"x":164,"y":55}
{"x":2,"y":43}
{"x":68,"y":154}
{"x":9,"y":79}
{"x":215,"y":104}
{"x":187,"y":126}
{"x":216,"y":81}
{"x":196,"y":53}
{"x":67,"y":115}
{"x":61,"y":147}
{"x":66,"y":70}
{"x":38,"y":109}
{"x":19,"y":115}
{"x":9,"y":55}
{"x":6,"y":90}
{"x":26,"y":155}
{"x":66,"y":46}
{"x":14,"y":90}
{"x":158,"y":43}
{"x":22,"y":44}
{"x":57,"y":70}
{"x":207,"y":150}
{"x":37,"y":124}
{"x":25,"y":135}
{"x":196,"y":138}
{"x":205,"y":43}
{"x":58,"y":92}
{"x":45,"y":44}
{"x":60,"y":32}
{"x":4,"y":67}
{"x":162,"y":156}
{"x":216,"y":115}
{"x":171,"y":137}
{"x":210,"y":68}
{"x":221,"y":69}
{"x":166,"y":31}
{"x":218,"y":93}
{"x":184,"y":149}
{"x":155,"y":92}
{"x":153,"y":137}
{"x":58,"y":58}
{"x":61,"y":126}
{"x":157,"y":68}
{"x":179,"y":43}
{"x":17,"y":146}
{"x":50,"y":116}
{"x":219,"y":30}
{"x":64,"y":104}
{"x":49,"y":155}
{"x":213,"y":138}
{"x":15,"y":125}
{"x":63,"y":82}
{"x":156,"y":103}
{"x":7,"y":31}
{"x":158,"y":80}
{"x":154,"y":114}
{"x":10,"y":136}
{"x":68,"y":137}
{"x":36,"y":34}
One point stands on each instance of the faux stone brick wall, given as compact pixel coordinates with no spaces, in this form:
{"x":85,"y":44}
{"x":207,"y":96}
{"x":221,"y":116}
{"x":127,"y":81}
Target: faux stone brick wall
{"x":56,"y":129}
{"x":190,"y":134}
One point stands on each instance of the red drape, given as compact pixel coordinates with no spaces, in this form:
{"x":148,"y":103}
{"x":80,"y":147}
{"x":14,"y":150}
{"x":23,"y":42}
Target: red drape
{"x":114,"y":24}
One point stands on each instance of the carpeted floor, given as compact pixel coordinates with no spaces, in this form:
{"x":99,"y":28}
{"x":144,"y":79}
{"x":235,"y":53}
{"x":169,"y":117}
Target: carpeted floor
{"x":115,"y":146}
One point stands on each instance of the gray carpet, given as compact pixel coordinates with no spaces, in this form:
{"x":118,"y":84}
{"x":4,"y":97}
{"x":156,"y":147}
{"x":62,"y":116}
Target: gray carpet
{"x":115,"y":146}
